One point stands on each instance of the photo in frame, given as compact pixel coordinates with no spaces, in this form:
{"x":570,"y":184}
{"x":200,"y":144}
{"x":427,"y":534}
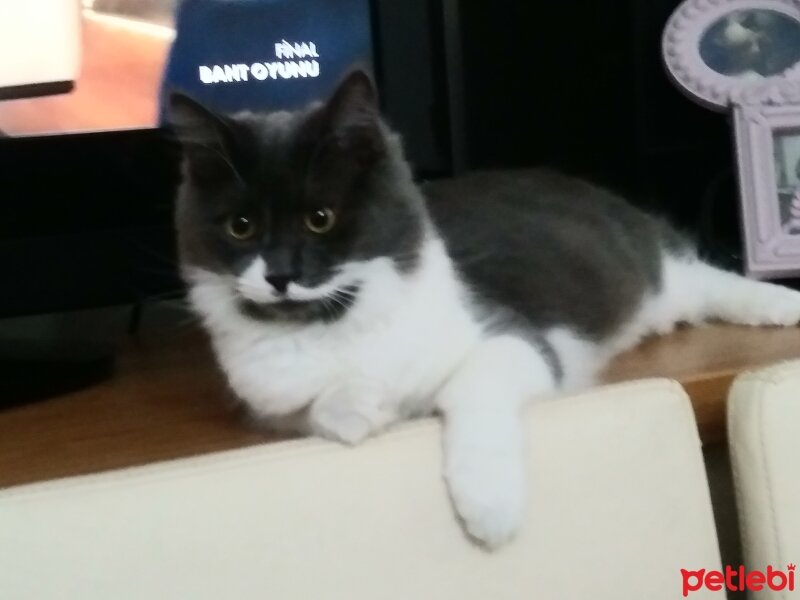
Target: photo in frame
{"x":743,"y":57}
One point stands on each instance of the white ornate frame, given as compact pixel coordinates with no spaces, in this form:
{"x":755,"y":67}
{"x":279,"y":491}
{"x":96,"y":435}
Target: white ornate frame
{"x":681,"y":49}
{"x":761,"y":108}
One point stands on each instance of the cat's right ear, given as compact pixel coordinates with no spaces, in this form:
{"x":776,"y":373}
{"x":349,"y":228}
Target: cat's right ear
{"x":206,"y":137}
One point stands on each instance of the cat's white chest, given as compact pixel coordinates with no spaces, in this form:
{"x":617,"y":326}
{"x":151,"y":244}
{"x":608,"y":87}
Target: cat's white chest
{"x":398,"y":343}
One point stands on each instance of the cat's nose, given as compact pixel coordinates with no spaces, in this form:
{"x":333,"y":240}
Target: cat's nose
{"x":279,"y":282}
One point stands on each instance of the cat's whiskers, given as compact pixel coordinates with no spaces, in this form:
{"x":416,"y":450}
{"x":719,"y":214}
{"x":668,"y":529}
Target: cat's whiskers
{"x":342,"y":296}
{"x":336,"y":300}
{"x":326,"y":304}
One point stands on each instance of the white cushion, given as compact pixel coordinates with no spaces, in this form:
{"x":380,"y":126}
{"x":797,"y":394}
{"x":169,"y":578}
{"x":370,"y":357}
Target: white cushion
{"x":619,"y":505}
{"x":764,"y":438}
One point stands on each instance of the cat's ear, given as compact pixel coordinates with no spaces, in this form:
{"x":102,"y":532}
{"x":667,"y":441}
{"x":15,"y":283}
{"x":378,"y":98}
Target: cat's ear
{"x":354,"y":118}
{"x":206,"y":137}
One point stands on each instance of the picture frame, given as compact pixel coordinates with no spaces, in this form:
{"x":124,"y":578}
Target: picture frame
{"x":768,"y":155}
{"x":743,"y":57}
{"x":717,"y":50}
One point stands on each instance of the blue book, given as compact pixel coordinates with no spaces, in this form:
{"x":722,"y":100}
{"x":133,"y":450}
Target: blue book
{"x":235,"y":55}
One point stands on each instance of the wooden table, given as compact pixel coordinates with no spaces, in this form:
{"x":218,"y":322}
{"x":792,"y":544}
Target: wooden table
{"x":168,"y":400}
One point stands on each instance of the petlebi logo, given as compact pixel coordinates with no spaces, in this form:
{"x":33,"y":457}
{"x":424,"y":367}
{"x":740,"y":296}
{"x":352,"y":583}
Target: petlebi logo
{"x":739,"y":580}
{"x":296,"y":59}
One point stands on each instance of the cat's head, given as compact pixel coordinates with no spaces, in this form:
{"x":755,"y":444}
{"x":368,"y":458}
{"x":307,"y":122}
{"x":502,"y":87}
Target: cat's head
{"x":293,"y":210}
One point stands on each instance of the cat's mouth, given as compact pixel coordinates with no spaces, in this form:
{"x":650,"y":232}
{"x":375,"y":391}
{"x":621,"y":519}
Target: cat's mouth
{"x":330,"y":307}
{"x":299,"y":300}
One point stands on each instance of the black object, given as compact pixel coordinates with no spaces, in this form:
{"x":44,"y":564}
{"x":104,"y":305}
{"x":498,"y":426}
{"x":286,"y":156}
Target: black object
{"x":31,"y":372}
{"x":36,"y":89}
{"x":578,"y":85}
{"x":85,"y":221}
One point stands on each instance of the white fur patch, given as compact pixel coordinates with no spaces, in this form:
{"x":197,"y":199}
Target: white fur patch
{"x":252,"y":285}
{"x":279,"y":368}
{"x":580,"y":358}
{"x":348,"y":274}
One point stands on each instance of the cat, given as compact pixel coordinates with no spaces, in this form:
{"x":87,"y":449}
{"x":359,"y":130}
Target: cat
{"x":752,"y":44}
{"x":341,"y":297}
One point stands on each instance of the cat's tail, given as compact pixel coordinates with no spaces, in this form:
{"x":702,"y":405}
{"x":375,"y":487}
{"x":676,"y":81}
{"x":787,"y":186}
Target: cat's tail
{"x":695,"y":291}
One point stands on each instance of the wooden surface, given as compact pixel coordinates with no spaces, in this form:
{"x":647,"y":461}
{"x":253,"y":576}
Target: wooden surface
{"x":167,"y":400}
{"x":705,"y":360}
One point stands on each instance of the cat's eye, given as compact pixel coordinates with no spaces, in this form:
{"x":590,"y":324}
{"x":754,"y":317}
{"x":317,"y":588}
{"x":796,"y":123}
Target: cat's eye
{"x":241,"y":227}
{"x":320,"y":221}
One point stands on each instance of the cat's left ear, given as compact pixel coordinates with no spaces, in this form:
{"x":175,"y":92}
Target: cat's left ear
{"x":354,"y":118}
{"x":206,"y":137}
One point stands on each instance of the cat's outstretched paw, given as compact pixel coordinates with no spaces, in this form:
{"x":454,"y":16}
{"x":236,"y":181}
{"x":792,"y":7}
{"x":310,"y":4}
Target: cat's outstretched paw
{"x":784,"y":312}
{"x":773,"y":314}
{"x":349,"y":415}
{"x":488,"y":493}
{"x":755,"y":303}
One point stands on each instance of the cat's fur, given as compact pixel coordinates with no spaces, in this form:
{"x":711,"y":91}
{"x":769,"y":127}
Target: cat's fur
{"x":468,"y":297}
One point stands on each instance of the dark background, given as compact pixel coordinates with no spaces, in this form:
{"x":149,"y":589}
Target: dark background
{"x":580,"y":85}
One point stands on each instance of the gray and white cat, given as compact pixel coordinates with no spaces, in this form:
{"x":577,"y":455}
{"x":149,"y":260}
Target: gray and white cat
{"x":341,"y":297}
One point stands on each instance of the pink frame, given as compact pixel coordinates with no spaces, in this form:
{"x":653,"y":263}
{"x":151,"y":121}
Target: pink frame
{"x":770,"y":251}
{"x":761,"y":108}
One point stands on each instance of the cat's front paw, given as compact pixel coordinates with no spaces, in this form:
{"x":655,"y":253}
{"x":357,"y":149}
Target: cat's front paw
{"x":340,"y":424}
{"x":349,"y":414}
{"x":488,"y":492}
{"x":784,"y":312}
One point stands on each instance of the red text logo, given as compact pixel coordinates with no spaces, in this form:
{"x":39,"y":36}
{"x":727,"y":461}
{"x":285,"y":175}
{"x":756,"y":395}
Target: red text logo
{"x":738,"y":580}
